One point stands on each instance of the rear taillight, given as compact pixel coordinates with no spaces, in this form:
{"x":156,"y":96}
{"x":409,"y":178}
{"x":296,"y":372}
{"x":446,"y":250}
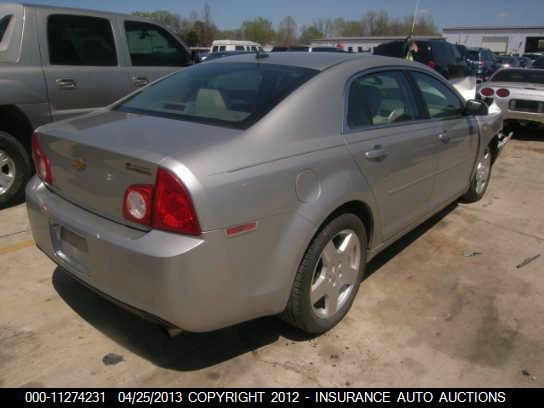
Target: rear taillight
{"x":431,"y":64}
{"x":172,"y":206}
{"x":503,"y":93}
{"x":487,"y":92}
{"x":41,"y":161}
{"x":166,"y":206}
{"x":138,"y":204}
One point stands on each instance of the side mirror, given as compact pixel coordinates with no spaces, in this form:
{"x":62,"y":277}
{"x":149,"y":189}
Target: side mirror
{"x":475,"y":107}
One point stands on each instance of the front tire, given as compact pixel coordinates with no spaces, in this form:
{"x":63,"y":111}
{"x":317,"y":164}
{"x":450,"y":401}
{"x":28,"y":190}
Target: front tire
{"x":15,"y":170}
{"x":480,"y":180}
{"x":329,"y":275}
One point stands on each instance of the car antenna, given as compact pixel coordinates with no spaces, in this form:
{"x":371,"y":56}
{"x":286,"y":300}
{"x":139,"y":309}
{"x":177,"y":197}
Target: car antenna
{"x":261,"y":54}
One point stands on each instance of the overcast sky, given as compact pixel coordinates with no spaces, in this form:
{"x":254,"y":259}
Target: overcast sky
{"x":229,"y":14}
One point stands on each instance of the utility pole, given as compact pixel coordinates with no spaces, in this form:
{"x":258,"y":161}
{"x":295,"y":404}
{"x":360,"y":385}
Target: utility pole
{"x":415,"y":17}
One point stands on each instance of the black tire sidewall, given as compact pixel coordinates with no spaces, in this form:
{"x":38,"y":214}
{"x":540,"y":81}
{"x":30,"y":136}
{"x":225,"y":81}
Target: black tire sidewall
{"x":310,"y":321}
{"x":23,"y":169}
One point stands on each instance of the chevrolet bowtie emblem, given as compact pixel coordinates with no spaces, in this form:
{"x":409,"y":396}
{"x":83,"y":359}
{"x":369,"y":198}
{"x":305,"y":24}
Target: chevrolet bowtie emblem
{"x":79,"y":164}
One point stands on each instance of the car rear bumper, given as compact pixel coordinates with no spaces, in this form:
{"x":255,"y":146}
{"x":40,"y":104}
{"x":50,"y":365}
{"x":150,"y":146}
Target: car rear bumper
{"x":509,"y":114}
{"x":187,"y":282}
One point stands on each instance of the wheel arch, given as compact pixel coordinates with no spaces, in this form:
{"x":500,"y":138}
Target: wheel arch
{"x":15,"y":122}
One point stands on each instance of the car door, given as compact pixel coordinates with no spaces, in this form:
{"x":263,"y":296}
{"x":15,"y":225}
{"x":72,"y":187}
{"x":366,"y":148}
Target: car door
{"x":395,"y":150}
{"x":458,"y":137}
{"x":80,"y":63}
{"x":153,"y":51}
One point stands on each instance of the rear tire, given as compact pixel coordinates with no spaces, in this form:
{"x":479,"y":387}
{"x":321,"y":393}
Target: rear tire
{"x":480,"y":179}
{"x":329,"y":275}
{"x":15,"y":170}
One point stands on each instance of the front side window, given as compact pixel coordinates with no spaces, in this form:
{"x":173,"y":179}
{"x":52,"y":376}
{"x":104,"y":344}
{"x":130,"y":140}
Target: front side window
{"x":151,"y":46}
{"x":80,"y":40}
{"x":440,"y":101}
{"x":223,"y":94}
{"x":4,"y":23}
{"x":378,"y":99}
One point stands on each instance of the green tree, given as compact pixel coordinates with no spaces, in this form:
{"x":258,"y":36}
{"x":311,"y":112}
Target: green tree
{"x":351,"y":28}
{"x":191,"y":38}
{"x":259,"y":30}
{"x":309,"y":33}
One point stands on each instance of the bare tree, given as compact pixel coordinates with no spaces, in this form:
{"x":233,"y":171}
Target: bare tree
{"x":287,"y":33}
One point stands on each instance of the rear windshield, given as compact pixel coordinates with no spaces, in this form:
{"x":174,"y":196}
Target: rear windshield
{"x":519,"y":75}
{"x":223,"y":94}
{"x":4,"y":22}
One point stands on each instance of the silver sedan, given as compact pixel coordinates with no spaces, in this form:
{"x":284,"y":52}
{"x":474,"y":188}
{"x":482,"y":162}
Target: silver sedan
{"x":255,"y":185}
{"x":518,"y":92}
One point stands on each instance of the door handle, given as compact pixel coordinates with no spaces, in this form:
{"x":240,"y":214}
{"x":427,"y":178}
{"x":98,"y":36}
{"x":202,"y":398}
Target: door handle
{"x":378,"y":153}
{"x":140,"y":81}
{"x":443,"y":137}
{"x":66,"y":83}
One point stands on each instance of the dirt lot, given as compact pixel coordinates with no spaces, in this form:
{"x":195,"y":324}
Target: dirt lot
{"x":427,"y":315}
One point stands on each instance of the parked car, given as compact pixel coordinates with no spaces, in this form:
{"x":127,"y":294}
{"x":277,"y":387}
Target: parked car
{"x":199,"y":54}
{"x":538,"y":63}
{"x":438,"y":54}
{"x":507,"y":61}
{"x":533,"y":55}
{"x":483,"y":62}
{"x":306,"y":48}
{"x":58,"y":62}
{"x":519,"y":93}
{"x":524,"y":62}
{"x":215,"y":55}
{"x":223,"y":193}
{"x":234,"y":45}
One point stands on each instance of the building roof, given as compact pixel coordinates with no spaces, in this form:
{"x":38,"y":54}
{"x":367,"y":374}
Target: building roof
{"x":493,"y":28}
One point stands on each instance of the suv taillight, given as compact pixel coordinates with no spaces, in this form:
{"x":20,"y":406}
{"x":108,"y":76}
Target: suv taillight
{"x":41,"y":161}
{"x":166,"y":206}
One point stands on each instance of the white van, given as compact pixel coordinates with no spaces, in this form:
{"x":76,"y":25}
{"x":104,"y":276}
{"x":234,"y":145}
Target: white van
{"x":235,"y":45}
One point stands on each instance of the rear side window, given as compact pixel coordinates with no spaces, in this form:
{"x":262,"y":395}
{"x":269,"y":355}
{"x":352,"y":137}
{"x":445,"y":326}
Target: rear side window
{"x":378,"y":99}
{"x":224,"y":94}
{"x":152,"y":46}
{"x":80,"y":40}
{"x":440,"y":101}
{"x":4,"y":23}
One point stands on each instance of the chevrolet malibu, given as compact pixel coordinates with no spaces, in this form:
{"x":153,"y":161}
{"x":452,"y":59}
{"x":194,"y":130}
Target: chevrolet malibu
{"x":255,"y":185}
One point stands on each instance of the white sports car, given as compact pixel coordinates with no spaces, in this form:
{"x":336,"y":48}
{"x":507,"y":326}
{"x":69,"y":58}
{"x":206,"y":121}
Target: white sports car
{"x":518,"y":92}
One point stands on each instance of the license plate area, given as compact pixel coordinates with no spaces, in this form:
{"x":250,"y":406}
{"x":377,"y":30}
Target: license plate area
{"x":71,"y":248}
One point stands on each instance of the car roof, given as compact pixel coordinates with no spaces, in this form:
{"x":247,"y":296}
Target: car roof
{"x":319,"y":61}
{"x":61,"y":9}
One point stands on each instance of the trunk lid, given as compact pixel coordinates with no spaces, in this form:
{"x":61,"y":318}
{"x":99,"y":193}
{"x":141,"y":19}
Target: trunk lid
{"x":96,"y":157}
